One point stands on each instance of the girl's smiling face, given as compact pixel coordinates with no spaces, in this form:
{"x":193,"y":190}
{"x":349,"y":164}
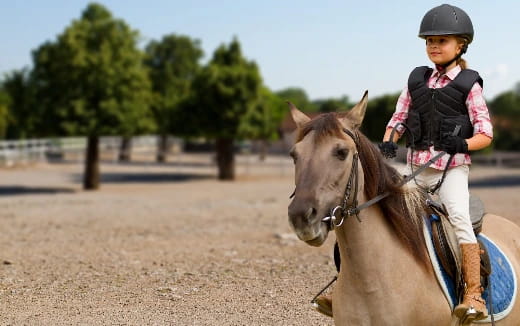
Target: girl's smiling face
{"x":442,"y":48}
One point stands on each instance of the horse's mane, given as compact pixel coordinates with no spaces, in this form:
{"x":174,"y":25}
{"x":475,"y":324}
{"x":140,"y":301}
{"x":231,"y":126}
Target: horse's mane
{"x":403,"y":208}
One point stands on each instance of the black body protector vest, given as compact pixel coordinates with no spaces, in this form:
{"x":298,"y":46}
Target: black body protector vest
{"x":435,"y":113}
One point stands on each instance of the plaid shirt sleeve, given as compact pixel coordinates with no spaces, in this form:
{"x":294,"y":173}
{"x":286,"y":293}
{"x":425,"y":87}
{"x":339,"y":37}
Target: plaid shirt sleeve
{"x":478,"y":112}
{"x":401,"y":110}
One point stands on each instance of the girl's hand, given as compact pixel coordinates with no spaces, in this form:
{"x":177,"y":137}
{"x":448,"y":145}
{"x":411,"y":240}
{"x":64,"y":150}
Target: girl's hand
{"x":388,"y":149}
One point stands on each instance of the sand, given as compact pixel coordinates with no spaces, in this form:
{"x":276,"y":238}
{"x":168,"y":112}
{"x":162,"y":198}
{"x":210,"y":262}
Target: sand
{"x":169,"y":244}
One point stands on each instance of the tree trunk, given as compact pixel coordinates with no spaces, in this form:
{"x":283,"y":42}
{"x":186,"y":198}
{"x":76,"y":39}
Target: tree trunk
{"x":225,"y":159}
{"x":91,"y":177}
{"x":264,"y":145}
{"x":162,"y":148}
{"x":126,"y":149}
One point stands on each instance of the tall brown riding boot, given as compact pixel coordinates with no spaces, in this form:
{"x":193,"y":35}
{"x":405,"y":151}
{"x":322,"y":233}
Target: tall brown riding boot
{"x":473,"y":307}
{"x":323,"y":304}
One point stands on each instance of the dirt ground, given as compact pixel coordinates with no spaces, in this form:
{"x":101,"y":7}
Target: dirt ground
{"x":169,"y":244}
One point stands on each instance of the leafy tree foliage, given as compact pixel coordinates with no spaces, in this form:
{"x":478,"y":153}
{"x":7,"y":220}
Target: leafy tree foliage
{"x":91,"y":81}
{"x":173,"y":63}
{"x":379,"y":111}
{"x":4,"y":112}
{"x":23,"y":117}
{"x":298,"y":97}
{"x":332,"y":104}
{"x":505,"y":114}
{"x":224,"y":91}
{"x":262,"y":121}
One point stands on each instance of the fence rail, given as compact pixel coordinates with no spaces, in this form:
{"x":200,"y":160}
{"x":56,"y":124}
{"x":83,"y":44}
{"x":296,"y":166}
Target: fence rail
{"x":14,"y":152}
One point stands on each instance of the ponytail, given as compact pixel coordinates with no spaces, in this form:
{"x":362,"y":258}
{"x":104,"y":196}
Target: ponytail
{"x":462,"y":63}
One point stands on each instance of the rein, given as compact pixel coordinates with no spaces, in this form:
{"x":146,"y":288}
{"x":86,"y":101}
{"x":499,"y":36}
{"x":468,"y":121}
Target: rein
{"x":346,"y":210}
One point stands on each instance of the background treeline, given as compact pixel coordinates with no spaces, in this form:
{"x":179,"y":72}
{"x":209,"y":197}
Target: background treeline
{"x":93,"y":80}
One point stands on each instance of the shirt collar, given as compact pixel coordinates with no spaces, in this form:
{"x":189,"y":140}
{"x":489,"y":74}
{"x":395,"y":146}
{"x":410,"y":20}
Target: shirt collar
{"x":451,"y":74}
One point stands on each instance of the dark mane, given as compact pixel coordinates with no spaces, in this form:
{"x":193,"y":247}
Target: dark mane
{"x":405,"y":220}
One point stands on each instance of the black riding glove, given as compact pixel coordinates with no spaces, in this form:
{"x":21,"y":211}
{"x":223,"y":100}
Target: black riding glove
{"x":454,"y":144}
{"x":388,"y":149}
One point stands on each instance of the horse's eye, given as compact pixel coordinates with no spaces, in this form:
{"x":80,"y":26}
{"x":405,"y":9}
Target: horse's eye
{"x":341,"y":153}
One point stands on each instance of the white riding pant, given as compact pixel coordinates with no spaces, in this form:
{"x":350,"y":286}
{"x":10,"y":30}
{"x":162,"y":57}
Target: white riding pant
{"x":454,"y":194}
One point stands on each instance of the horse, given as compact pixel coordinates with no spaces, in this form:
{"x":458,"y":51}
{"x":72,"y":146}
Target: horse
{"x":386,"y":277}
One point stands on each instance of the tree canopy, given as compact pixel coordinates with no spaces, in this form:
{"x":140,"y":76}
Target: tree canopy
{"x":505,"y":113}
{"x":262,"y":121}
{"x":379,"y":111}
{"x":223,"y":92}
{"x":4,"y":112}
{"x":173,"y":63}
{"x":91,"y":80}
{"x":20,"y":111}
{"x":298,"y":97}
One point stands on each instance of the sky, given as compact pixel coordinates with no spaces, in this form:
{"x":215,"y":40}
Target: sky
{"x":329,"y":48}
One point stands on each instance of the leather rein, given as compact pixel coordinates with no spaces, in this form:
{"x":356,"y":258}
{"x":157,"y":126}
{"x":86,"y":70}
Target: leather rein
{"x":339,"y":213}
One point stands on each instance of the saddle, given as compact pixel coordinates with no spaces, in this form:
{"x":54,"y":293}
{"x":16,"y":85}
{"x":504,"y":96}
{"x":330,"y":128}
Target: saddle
{"x":446,"y":244}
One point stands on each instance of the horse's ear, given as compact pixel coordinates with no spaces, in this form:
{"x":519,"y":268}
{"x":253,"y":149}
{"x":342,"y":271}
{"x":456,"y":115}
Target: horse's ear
{"x":355,"y":116}
{"x":298,"y":116}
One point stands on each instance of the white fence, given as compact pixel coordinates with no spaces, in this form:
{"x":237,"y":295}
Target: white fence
{"x":14,"y":152}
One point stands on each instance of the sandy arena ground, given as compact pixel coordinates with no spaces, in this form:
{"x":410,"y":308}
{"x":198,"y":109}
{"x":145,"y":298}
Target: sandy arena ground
{"x":169,"y":244}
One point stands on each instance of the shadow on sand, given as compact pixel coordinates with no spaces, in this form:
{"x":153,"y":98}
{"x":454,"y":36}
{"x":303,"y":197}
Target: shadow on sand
{"x":23,"y":190}
{"x":498,"y":181}
{"x":122,"y":177}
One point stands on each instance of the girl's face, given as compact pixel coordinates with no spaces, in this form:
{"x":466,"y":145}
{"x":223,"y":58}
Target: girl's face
{"x":442,"y":48}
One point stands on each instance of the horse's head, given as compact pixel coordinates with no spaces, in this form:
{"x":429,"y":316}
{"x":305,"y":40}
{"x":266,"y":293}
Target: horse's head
{"x":323,"y":157}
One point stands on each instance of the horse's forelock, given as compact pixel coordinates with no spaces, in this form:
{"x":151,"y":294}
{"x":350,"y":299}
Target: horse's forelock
{"x":324,"y":126}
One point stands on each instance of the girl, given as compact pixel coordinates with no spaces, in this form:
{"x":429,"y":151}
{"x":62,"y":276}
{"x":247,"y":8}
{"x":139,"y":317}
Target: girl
{"x":445,"y":111}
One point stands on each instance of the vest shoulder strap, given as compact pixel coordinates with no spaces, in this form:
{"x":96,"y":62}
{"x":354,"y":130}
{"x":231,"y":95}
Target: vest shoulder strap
{"x":466,"y":79}
{"x":418,"y":77}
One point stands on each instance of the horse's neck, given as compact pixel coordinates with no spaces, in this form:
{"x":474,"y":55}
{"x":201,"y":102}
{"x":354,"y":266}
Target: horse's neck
{"x":371,"y":243}
{"x":380,"y":281}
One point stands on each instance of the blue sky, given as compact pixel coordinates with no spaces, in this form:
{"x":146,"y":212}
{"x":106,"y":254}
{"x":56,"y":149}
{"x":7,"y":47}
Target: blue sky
{"x":329,"y":48}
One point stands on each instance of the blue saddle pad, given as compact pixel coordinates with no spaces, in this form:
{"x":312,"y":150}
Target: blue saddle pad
{"x":503,"y":283}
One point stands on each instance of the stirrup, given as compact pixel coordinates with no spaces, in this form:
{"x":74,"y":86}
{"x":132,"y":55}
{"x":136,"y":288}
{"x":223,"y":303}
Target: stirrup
{"x":322,"y":306}
{"x":470,"y":315}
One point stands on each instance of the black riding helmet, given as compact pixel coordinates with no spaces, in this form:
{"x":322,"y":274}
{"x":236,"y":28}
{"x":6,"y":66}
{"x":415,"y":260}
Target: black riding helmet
{"x":447,"y":20}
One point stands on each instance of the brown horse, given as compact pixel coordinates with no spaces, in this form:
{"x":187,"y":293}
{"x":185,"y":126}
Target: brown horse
{"x":386,"y":277}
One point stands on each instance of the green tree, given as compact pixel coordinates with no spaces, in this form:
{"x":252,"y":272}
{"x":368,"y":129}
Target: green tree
{"x":4,"y":112}
{"x":91,"y":81}
{"x":298,"y":97}
{"x":262,"y":121}
{"x":223,"y":92}
{"x":23,"y":117}
{"x":331,"y":104}
{"x":173,"y":64}
{"x":379,"y":111}
{"x":505,"y":112}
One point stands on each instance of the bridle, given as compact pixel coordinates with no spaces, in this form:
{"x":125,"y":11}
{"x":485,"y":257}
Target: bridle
{"x":347,"y":209}
{"x":339,"y":213}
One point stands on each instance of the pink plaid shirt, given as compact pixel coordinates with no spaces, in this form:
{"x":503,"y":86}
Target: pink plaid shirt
{"x":478,"y":115}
